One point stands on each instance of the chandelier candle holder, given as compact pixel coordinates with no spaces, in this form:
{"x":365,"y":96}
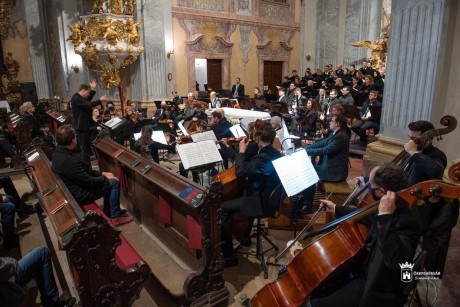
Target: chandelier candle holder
{"x":108,"y":39}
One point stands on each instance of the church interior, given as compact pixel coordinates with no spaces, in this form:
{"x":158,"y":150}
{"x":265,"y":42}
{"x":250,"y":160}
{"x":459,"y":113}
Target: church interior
{"x":177,"y":70}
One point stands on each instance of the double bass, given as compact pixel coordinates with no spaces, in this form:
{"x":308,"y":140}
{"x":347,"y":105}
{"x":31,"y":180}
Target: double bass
{"x":331,"y":252}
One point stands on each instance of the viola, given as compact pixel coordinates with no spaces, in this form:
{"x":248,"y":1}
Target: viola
{"x":333,"y":251}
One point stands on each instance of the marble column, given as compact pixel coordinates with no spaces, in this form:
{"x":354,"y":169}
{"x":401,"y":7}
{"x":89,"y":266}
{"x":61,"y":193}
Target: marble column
{"x":422,"y":53}
{"x":149,"y":77}
{"x":38,"y":47}
{"x":308,"y":35}
{"x":341,"y":23}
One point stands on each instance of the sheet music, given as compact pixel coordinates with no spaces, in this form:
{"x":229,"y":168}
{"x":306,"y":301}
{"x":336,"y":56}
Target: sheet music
{"x":182,"y":128}
{"x":114,"y":121}
{"x":296,"y":172}
{"x":237,"y":131}
{"x":204,"y":136}
{"x":159,"y":136}
{"x":196,"y":154}
{"x":137,"y":136}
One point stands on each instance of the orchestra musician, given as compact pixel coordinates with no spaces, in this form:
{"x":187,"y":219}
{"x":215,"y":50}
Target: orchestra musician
{"x":176,"y":99}
{"x":307,"y":121}
{"x":258,"y":95}
{"x":261,"y":179}
{"x":392,"y":241}
{"x":149,"y":148}
{"x":221,"y":128}
{"x":333,"y":152}
{"x":198,"y":113}
{"x":95,"y":123}
{"x":425,"y":162}
{"x":132,"y":117}
{"x":189,"y":103}
{"x":215,"y":102}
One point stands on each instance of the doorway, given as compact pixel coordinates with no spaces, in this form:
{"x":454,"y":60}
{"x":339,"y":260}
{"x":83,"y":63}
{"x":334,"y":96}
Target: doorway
{"x":273,"y":76}
{"x":214,"y":69}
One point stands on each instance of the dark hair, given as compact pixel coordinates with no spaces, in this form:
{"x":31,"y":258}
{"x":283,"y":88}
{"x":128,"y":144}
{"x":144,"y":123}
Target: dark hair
{"x":421,"y":125}
{"x":339,"y":108}
{"x":341,"y":120}
{"x":146,"y":136}
{"x":267,"y":135}
{"x":346,"y":87}
{"x":201,"y":123}
{"x":281,"y":89}
{"x":390,"y":177}
{"x":64,"y":135}
{"x":334,"y":90}
{"x":84,"y":87}
{"x":217,"y":114}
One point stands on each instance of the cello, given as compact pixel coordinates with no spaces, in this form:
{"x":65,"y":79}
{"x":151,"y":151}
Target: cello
{"x":326,"y":256}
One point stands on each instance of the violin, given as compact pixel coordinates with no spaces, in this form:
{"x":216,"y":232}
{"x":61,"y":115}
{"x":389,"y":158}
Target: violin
{"x":450,"y":123}
{"x":343,"y":242}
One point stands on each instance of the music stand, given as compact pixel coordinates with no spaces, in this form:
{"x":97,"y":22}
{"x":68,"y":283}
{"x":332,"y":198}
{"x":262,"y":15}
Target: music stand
{"x":280,"y":108}
{"x":123,"y":128}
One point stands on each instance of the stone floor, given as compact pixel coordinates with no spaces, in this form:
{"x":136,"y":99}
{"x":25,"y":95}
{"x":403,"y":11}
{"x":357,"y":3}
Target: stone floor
{"x":243,"y":280}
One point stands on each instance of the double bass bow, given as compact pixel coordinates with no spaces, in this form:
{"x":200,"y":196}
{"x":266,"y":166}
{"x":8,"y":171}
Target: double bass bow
{"x":450,"y":123}
{"x":343,"y":242}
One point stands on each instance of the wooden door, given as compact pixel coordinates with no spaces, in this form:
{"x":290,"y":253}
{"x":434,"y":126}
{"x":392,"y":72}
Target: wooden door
{"x":273,"y":75}
{"x":214,"y":70}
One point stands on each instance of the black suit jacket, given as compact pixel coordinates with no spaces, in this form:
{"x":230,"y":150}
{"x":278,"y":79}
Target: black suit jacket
{"x":240,"y":89}
{"x":34,"y":125}
{"x":82,"y":109}
{"x":334,"y":151}
{"x":222,"y":129}
{"x":261,"y":180}
{"x":392,"y":240}
{"x":85,"y":184}
{"x":366,"y":106}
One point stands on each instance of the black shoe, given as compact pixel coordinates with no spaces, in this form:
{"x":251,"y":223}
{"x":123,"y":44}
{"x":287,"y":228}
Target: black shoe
{"x":246,"y":242}
{"x":230,"y":262}
{"x":71,"y":302}
{"x":25,"y":210}
{"x":12,"y":242}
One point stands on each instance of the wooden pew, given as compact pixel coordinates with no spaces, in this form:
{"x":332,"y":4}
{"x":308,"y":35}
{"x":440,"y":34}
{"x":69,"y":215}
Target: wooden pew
{"x":107,"y":270}
{"x":187,"y":230}
{"x":56,"y":120}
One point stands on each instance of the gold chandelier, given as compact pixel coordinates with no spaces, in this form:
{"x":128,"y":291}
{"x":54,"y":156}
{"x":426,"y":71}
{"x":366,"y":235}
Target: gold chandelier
{"x":108,"y":39}
{"x":5,"y":10}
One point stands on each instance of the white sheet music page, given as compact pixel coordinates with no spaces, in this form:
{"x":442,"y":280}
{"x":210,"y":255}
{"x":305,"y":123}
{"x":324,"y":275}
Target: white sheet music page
{"x":209,"y":151}
{"x":159,"y":136}
{"x":137,"y":136}
{"x":237,"y":131}
{"x":204,"y":136}
{"x":182,"y":128}
{"x":190,"y":155}
{"x":296,"y":172}
{"x":114,"y":121}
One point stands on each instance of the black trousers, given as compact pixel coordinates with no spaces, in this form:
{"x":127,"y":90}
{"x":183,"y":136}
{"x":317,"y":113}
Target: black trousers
{"x":7,"y":184}
{"x":84,"y":144}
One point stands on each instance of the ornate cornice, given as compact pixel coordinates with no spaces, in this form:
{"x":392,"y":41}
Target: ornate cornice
{"x":225,"y":17}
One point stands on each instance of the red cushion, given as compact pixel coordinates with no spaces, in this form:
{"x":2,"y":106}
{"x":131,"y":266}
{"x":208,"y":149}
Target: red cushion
{"x":125,"y":255}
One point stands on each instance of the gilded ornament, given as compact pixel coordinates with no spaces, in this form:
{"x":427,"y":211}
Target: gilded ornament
{"x":140,"y":49}
{"x":119,"y":49}
{"x":129,"y":49}
{"x":107,"y":48}
{"x":97,"y":6}
{"x":116,"y":6}
{"x":90,"y":55}
{"x":130,"y":6}
{"x":76,"y":36}
{"x":112,"y":59}
{"x":132,"y":34}
{"x":378,"y":49}
{"x":110,"y":76}
{"x":110,"y":34}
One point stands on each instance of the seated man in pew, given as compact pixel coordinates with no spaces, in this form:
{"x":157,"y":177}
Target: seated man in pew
{"x":37,"y":265}
{"x":261,"y":179}
{"x":28,"y":110}
{"x":85,"y":184}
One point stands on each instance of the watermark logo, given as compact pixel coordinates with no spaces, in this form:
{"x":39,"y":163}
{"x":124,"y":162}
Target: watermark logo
{"x":406,"y":271}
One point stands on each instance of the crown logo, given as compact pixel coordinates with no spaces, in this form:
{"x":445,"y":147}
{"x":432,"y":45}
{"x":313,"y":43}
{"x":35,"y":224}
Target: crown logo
{"x":406,"y":265}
